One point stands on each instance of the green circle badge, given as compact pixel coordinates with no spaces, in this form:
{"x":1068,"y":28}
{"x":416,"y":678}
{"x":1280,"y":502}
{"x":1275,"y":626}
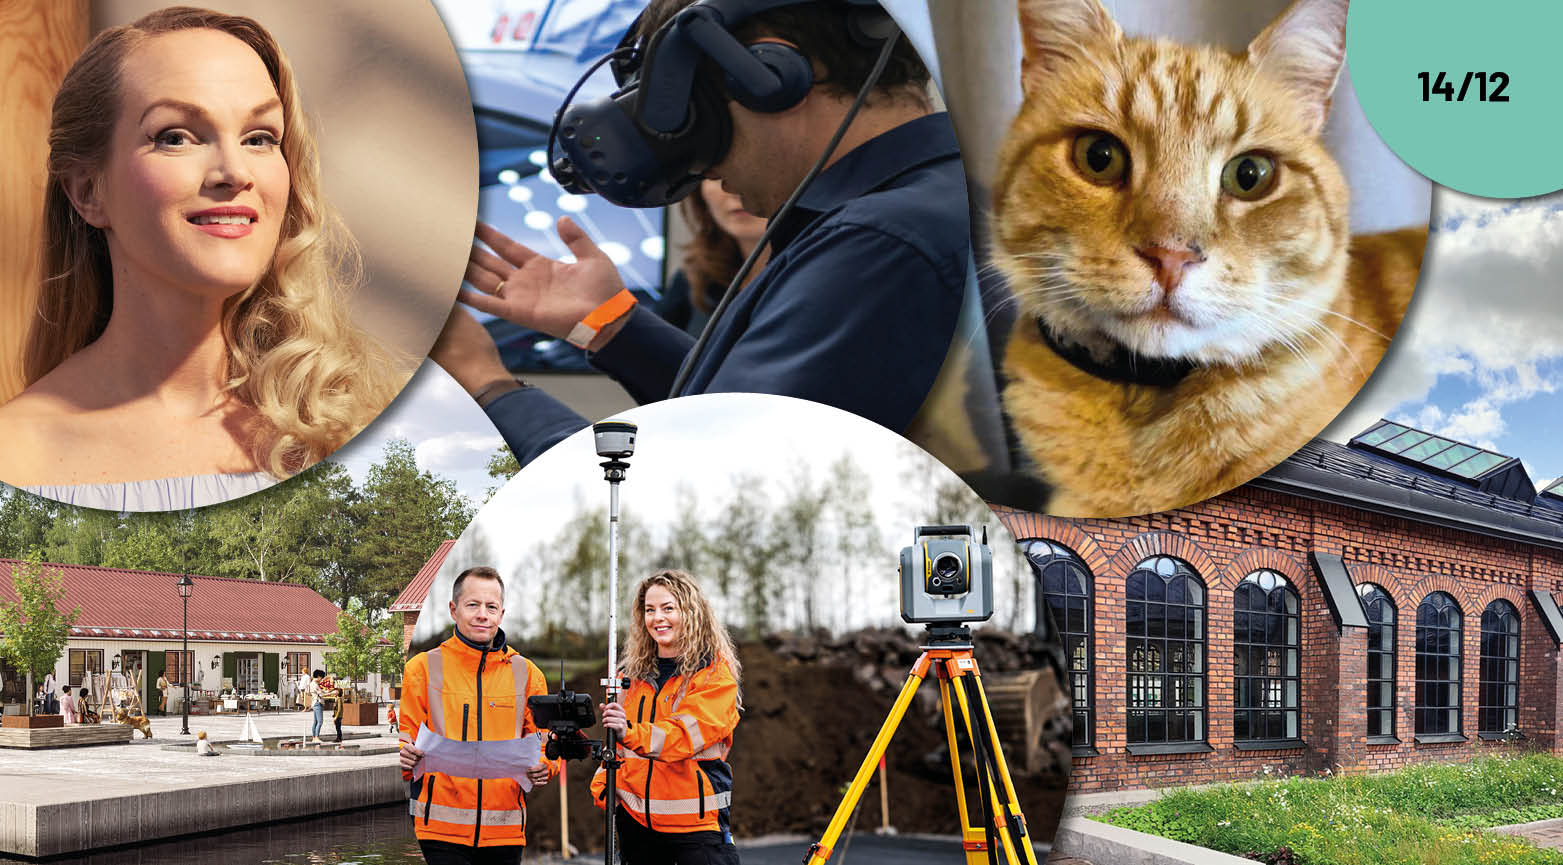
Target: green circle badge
{"x":1459,"y":90}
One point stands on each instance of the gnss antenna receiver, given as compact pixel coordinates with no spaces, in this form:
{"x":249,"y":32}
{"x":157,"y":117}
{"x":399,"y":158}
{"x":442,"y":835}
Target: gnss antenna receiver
{"x":615,"y":441}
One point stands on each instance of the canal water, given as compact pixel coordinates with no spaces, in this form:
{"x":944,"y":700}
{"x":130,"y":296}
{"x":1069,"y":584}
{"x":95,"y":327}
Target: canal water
{"x":374,"y":836}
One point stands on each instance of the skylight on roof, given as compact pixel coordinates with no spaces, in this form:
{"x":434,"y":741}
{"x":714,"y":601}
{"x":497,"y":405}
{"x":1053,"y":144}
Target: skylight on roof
{"x":1446,"y":456}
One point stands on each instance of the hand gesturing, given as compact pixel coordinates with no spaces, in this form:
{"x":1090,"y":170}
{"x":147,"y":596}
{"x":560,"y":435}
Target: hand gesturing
{"x":520,"y":285}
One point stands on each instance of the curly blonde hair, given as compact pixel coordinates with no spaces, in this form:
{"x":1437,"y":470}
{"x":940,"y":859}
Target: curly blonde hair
{"x":702,"y":639}
{"x":294,"y":355}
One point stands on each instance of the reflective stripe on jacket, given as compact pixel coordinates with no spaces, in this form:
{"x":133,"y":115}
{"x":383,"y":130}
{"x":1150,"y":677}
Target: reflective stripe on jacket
{"x":442,"y":689}
{"x":674,"y":775}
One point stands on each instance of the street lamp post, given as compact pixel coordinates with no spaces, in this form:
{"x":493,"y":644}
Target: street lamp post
{"x":185,"y":585}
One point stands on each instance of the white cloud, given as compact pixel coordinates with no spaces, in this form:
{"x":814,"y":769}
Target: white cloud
{"x":1486,"y":308}
{"x":456,"y":451}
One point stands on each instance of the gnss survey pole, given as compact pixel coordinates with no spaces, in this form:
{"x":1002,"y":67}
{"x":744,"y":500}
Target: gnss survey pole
{"x":616,"y":443}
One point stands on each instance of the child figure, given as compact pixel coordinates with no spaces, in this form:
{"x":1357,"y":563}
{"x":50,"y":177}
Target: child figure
{"x":203,"y":748}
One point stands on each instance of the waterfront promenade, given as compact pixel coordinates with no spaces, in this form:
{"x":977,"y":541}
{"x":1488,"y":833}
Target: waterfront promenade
{"x":73,"y":799}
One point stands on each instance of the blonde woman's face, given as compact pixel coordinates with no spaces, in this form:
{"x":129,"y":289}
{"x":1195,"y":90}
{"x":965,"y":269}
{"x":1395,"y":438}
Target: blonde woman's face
{"x":663,"y":620}
{"x":195,"y":187}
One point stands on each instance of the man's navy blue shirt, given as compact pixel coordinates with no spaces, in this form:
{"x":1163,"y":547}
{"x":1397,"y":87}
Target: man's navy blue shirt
{"x":856,"y":308}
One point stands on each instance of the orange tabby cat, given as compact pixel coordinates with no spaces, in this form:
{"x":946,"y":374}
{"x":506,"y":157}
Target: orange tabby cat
{"x":1192,"y":306}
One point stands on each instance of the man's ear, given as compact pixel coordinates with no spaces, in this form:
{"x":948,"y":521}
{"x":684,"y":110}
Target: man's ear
{"x":86,"y":195}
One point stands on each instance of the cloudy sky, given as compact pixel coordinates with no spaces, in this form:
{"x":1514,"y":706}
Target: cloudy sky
{"x":451,"y":436}
{"x":1480,"y":355}
{"x":710,"y":444}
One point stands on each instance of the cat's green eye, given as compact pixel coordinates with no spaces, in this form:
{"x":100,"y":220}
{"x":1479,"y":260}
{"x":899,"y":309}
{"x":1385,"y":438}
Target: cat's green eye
{"x":1101,"y":158}
{"x":1249,"y":176}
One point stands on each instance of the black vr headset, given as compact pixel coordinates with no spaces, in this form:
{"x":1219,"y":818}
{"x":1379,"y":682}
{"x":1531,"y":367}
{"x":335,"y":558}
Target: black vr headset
{"x":649,"y":143}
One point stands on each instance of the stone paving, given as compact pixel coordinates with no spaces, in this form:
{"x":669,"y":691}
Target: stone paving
{"x":105,"y":771}
{"x":1065,"y":859}
{"x":1543,"y":833}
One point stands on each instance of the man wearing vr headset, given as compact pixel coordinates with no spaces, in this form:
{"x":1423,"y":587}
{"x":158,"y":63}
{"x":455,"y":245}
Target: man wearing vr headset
{"x":858,"y":303}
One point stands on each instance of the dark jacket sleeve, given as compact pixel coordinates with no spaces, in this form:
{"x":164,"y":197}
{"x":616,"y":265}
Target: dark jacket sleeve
{"x":531,"y":422}
{"x":644,"y":355}
{"x":860,"y":319}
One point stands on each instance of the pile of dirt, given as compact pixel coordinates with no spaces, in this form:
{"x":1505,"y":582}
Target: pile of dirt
{"x":812,"y":707}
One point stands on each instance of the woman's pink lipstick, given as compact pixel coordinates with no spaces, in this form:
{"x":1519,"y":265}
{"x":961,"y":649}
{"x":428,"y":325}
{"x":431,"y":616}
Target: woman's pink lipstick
{"x":229,"y":222}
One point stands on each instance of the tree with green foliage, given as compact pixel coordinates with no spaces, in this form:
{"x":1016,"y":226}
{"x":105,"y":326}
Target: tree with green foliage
{"x":398,"y":521}
{"x":24,"y":523}
{"x":502,"y":466}
{"x":800,"y":538}
{"x":33,"y":630}
{"x":291,"y":532}
{"x":355,"y":648}
{"x":389,"y":660}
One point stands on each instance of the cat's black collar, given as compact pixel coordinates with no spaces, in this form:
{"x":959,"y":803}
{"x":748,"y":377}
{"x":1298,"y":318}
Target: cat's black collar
{"x":1123,"y":367}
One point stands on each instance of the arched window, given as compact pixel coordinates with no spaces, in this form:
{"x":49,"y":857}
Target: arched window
{"x":1438,"y":666}
{"x":1497,"y":710}
{"x":1065,"y":594}
{"x":1265,"y":641}
{"x":1381,"y":659}
{"x":1164,"y":626}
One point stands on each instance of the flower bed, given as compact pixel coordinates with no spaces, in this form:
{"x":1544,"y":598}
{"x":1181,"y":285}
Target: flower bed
{"x":1432,"y":814}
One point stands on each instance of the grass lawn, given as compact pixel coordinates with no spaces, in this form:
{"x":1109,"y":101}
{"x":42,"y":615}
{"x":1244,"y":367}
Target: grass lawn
{"x":1432,"y":814}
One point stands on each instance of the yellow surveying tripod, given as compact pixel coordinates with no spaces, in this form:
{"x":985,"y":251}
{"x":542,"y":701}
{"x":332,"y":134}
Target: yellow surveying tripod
{"x":949,"y":654}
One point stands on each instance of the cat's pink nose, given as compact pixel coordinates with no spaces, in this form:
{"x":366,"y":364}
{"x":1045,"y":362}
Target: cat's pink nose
{"x":1170,"y":264}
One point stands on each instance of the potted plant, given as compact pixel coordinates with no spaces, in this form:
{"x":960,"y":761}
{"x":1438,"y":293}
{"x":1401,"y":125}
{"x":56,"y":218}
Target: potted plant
{"x":33,"y":631}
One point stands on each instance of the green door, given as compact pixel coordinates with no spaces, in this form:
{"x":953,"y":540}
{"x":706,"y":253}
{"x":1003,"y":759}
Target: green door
{"x":231,"y":668}
{"x":271,"y":673}
{"x":157,"y":662}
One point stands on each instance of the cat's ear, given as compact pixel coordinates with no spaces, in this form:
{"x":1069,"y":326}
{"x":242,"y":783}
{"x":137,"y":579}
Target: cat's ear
{"x":1303,"y":50}
{"x":1055,"y":31}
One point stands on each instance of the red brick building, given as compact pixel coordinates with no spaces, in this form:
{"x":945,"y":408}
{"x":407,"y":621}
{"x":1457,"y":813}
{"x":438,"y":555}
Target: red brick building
{"x":1359,"y":607}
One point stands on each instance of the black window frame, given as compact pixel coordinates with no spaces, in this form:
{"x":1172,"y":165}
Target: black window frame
{"x":1047,"y":556}
{"x":1432,"y":635}
{"x":1375,"y":603}
{"x":1507,"y":712}
{"x":1189,"y":689}
{"x":1271,"y":714}
{"x":77,"y":667}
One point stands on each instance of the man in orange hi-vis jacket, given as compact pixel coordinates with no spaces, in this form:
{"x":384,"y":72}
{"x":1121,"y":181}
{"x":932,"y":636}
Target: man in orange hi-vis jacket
{"x":472,"y":687}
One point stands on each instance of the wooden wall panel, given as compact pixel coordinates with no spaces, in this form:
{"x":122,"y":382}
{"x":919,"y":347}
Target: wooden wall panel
{"x":38,"y":41}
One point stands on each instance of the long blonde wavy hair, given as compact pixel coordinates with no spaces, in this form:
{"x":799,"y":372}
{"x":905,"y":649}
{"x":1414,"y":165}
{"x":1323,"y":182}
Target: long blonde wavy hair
{"x":294,"y":355}
{"x":702,"y":639}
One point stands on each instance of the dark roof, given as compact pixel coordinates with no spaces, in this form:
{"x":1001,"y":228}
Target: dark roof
{"x":123,"y":604}
{"x":1327,"y":471}
{"x":411,"y":598}
{"x":1552,"y":495}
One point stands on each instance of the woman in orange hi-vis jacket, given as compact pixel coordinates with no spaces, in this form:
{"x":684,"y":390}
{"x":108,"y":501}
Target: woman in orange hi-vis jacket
{"x":471,"y":687}
{"x":675,"y":724}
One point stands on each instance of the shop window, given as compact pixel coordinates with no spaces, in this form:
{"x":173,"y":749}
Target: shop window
{"x":1497,"y":709}
{"x":1265,"y":643}
{"x":1164,"y":626}
{"x":84,"y":662}
{"x":1380,"y":611}
{"x":1065,"y":595}
{"x":1438,"y":674}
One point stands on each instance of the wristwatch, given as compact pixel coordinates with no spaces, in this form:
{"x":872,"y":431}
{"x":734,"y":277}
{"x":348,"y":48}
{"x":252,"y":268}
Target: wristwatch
{"x":495,"y":389}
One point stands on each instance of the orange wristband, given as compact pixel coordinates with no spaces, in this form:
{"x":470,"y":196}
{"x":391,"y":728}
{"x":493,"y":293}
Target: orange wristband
{"x":611,"y":309}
